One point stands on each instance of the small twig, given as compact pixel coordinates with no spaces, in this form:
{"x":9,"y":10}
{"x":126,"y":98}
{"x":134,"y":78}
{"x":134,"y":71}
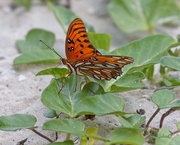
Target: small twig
{"x":166,"y":114}
{"x":175,"y":132}
{"x":150,"y":119}
{"x":43,"y":136}
{"x":22,"y":142}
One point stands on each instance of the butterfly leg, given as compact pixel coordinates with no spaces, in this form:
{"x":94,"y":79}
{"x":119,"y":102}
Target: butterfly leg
{"x":64,"y":81}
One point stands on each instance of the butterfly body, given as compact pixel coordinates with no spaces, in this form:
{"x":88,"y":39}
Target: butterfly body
{"x":84,"y":59}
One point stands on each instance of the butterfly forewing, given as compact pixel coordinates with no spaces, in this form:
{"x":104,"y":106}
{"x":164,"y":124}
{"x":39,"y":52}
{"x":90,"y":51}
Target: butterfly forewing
{"x":78,"y":45}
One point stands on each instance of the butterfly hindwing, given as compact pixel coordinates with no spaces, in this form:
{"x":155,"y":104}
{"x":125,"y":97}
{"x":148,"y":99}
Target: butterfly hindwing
{"x":103,"y":67}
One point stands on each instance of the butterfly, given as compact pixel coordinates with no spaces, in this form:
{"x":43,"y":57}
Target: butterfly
{"x":85,"y":60}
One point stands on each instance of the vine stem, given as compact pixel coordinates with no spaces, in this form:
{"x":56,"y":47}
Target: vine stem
{"x":166,"y":114}
{"x":150,"y":119}
{"x":175,"y":132}
{"x":43,"y":136}
{"x":68,"y":136}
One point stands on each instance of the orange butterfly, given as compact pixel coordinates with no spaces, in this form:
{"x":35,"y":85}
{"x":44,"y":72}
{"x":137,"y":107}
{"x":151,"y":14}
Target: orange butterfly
{"x":84,"y":59}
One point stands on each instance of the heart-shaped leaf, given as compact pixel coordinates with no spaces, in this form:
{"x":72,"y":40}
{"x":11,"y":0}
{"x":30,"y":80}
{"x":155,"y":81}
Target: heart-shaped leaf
{"x":164,"y":138}
{"x":17,"y":121}
{"x":32,"y":40}
{"x":76,"y":102}
{"x":164,"y":98}
{"x":34,"y":51}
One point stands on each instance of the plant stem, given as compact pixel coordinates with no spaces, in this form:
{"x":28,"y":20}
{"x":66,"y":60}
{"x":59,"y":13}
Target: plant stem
{"x":173,"y":133}
{"x":43,"y":136}
{"x":166,"y":114}
{"x":150,"y":119}
{"x":68,"y":136}
{"x":151,"y":31}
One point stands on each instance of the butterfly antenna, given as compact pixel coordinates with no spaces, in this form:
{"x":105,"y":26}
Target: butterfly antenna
{"x":51,"y":48}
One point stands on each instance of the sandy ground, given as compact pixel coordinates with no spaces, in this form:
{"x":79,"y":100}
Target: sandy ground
{"x":20,"y":89}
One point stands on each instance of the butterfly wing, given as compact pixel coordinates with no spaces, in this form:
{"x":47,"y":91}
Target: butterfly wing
{"x":103,"y":67}
{"x":77,"y":44}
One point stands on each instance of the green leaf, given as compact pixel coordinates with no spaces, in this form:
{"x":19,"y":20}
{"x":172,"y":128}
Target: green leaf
{"x":32,"y":42}
{"x":26,"y":46}
{"x":164,"y":132}
{"x":92,"y":131}
{"x":136,"y":120}
{"x":101,"y":41}
{"x":163,"y":99}
{"x":76,"y":102}
{"x":36,"y":56}
{"x":124,"y":122}
{"x":65,"y":100}
{"x":99,"y":105}
{"x":127,"y":82}
{"x":56,"y":72}
{"x":70,"y":126}
{"x":171,"y":62}
{"x":138,"y":15}
{"x":164,"y":138}
{"x":34,"y":51}
{"x":66,"y":16}
{"x":146,"y":51}
{"x":67,"y":142}
{"x":92,"y":88}
{"x":17,"y":121}
{"x":49,"y":113}
{"x":127,"y":136}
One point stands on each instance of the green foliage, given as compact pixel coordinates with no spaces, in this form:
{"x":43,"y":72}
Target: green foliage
{"x":127,"y":136}
{"x":170,"y":62}
{"x":97,"y":39}
{"x":67,"y":142}
{"x":164,"y":137}
{"x":142,"y":15}
{"x":17,"y":121}
{"x":74,"y":103}
{"x":163,"y":99}
{"x":91,"y":131}
{"x":33,"y":51}
{"x":65,"y":17}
